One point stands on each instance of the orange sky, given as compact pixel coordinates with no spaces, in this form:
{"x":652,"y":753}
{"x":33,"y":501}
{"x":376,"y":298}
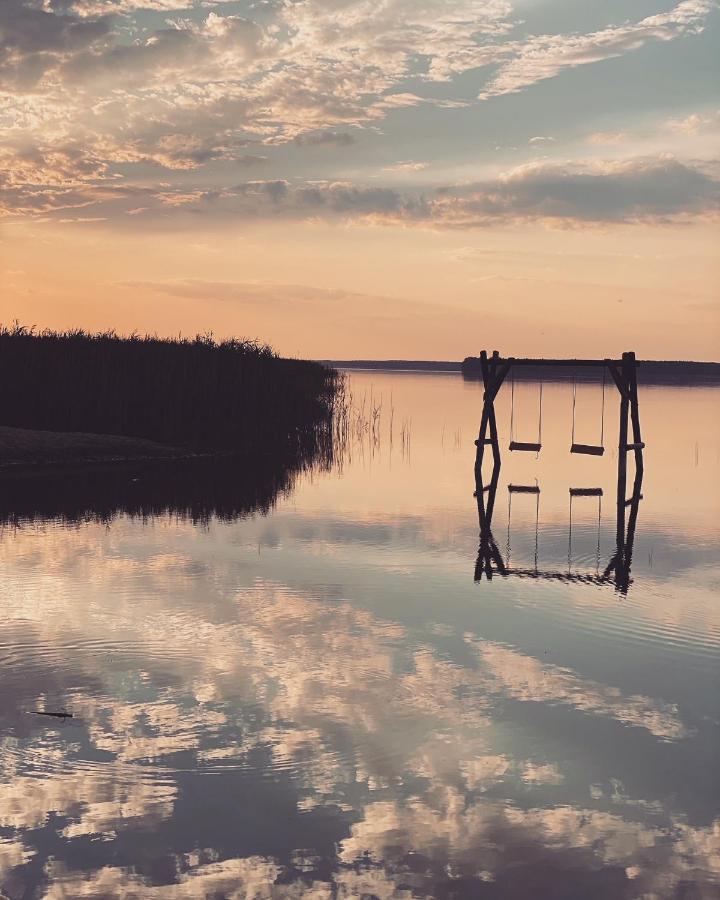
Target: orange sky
{"x":374,"y":292}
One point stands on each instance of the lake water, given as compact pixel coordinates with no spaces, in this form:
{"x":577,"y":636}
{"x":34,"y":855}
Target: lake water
{"x":325,"y":701}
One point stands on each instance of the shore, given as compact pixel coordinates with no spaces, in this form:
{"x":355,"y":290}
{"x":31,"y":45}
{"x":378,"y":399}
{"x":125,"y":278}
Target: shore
{"x":25,"y":447}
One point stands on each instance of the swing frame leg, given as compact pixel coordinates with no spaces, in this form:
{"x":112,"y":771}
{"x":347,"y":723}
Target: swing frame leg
{"x":493,"y":376}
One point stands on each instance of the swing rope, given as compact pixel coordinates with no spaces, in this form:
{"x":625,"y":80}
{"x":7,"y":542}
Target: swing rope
{"x":597,"y":557}
{"x":602,"y":409}
{"x":512,"y":406}
{"x":570,"y":530}
{"x":539,"y":440}
{"x":507,"y":545}
{"x":537,"y":523}
{"x":570,"y":536}
{"x":512,"y":415}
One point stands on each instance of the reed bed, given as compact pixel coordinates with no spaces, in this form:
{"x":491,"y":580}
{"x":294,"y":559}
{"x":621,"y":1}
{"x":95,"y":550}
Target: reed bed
{"x":198,"y":393}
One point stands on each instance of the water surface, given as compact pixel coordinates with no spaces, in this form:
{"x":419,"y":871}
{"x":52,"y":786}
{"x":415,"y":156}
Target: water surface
{"x":319,"y":699}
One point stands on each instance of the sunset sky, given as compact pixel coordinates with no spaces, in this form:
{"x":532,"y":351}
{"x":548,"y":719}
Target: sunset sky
{"x":366,"y":178}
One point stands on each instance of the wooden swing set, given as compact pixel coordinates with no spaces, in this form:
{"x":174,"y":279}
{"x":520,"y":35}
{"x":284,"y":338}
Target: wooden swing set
{"x":623,"y":372}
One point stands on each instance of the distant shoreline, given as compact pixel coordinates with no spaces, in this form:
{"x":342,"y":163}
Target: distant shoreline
{"x":394,"y":365}
{"x":651,"y":372}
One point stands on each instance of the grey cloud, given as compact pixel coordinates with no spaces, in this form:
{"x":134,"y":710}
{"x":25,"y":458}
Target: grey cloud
{"x":325,"y":137}
{"x":614,"y":192}
{"x":170,"y":50}
{"x":250,"y":159}
{"x":33,"y":38}
{"x":634,"y":190}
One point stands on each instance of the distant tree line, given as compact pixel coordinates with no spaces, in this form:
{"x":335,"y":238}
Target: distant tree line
{"x":651,"y":371}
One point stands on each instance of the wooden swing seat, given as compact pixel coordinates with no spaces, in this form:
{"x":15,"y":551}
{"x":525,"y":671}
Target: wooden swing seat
{"x":587,"y":449}
{"x":523,"y":488}
{"x":522,"y":445}
{"x":586,"y":492}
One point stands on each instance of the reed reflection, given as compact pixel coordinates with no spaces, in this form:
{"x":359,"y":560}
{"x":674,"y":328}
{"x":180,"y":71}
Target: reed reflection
{"x":227,"y":487}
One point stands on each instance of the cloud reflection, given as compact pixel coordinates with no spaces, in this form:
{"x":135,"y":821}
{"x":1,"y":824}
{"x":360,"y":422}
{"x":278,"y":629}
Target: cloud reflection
{"x":211,"y":677}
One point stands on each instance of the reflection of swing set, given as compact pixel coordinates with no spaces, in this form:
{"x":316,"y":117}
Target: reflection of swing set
{"x":490,"y":561}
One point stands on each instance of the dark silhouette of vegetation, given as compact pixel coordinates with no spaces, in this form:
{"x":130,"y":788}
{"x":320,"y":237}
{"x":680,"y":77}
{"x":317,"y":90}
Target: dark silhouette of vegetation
{"x":232,"y":395}
{"x":24,"y":447}
{"x":195,"y":490}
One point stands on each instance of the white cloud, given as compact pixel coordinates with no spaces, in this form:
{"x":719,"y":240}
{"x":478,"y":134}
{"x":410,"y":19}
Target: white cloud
{"x":606,"y":138}
{"x":407,"y":166}
{"x":545,"y":56}
{"x":695,"y":123}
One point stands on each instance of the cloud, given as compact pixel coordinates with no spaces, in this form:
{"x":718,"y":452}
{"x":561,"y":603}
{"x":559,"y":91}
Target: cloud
{"x":251,"y":159}
{"x":638,"y":189}
{"x":235,"y":879}
{"x":34,"y":39}
{"x":324,"y":138}
{"x":525,"y":678}
{"x":200,"y":91}
{"x":545,"y":56}
{"x":606,"y":138}
{"x":326,"y":684}
{"x":695,"y":123}
{"x":407,"y":166}
{"x":204,"y":48}
{"x":481,"y":840}
{"x":13,"y":853}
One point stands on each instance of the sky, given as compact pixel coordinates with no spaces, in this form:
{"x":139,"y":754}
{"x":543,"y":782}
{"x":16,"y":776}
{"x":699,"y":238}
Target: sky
{"x":409,"y":179}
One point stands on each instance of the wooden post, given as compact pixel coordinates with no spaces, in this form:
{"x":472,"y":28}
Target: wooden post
{"x":491,"y":383}
{"x":484,"y":417}
{"x":635,"y":417}
{"x":622,"y":451}
{"x":493,"y":424}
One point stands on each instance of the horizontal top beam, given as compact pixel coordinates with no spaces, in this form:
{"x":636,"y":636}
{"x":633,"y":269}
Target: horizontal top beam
{"x":565,"y":362}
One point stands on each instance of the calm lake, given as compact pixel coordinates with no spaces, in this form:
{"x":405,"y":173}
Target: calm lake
{"x":328,"y":700}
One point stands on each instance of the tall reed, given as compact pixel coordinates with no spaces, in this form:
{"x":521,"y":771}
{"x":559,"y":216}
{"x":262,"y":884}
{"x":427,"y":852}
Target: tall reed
{"x":233,"y":395}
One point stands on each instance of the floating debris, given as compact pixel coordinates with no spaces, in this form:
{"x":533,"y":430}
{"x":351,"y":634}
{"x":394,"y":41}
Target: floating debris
{"x":53,"y":715}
